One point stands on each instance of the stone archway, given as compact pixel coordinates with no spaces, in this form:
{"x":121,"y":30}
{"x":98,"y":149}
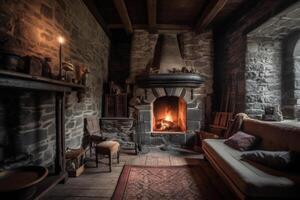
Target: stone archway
{"x":291,"y":76}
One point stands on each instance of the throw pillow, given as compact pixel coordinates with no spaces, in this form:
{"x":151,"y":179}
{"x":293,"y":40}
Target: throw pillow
{"x":241,"y":141}
{"x":275,"y":159}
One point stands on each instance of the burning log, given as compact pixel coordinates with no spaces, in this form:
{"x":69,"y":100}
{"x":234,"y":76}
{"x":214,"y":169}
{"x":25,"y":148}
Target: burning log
{"x":165,"y":125}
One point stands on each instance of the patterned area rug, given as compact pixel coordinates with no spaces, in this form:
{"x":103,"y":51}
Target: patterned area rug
{"x":170,"y":182}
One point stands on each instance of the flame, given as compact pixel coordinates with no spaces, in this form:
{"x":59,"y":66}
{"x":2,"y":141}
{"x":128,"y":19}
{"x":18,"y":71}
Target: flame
{"x":61,"y":40}
{"x":168,"y":117}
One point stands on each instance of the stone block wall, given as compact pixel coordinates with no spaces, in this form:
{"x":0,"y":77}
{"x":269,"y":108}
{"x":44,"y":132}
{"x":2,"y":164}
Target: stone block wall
{"x":32,"y":28}
{"x":27,"y":127}
{"x":119,"y":129}
{"x":263,"y":75}
{"x":272,"y":55}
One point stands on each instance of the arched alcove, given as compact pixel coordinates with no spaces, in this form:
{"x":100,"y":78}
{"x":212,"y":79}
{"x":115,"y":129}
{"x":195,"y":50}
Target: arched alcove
{"x":296,"y":56}
{"x":291,"y":76}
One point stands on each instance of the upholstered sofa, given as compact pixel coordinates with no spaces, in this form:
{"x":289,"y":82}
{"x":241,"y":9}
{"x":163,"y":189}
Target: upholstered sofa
{"x":250,"y":180}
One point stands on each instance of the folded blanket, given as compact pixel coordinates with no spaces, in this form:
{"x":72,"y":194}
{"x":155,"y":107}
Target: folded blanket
{"x":236,"y":125}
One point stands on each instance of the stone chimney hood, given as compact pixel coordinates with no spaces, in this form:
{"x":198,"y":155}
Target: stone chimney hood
{"x":167,"y":57}
{"x":170,"y":56}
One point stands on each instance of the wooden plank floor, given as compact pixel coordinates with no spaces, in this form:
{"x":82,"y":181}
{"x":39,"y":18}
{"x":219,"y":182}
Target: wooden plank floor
{"x":98,"y":183}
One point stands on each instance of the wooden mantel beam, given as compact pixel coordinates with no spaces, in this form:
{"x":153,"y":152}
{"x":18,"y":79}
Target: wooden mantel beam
{"x":151,"y":7}
{"x":210,"y":12}
{"x":123,"y":13}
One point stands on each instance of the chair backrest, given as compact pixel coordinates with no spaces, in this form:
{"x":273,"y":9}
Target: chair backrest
{"x":92,"y":125}
{"x":222,"y":119}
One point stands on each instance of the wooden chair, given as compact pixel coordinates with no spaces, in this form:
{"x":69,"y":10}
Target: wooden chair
{"x":92,"y":129}
{"x":217,"y":128}
{"x":220,"y":123}
{"x":98,"y":143}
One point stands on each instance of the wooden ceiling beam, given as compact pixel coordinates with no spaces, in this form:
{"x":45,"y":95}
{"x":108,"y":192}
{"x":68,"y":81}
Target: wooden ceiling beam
{"x":210,"y":12}
{"x":151,"y":7}
{"x":123,"y":13}
{"x":158,"y":26}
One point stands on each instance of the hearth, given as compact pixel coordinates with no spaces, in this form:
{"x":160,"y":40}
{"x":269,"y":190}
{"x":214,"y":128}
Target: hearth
{"x":169,"y":115}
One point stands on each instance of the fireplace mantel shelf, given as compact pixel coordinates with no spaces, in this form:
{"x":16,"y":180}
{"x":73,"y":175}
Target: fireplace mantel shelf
{"x":184,"y":80}
{"x":24,"y":81}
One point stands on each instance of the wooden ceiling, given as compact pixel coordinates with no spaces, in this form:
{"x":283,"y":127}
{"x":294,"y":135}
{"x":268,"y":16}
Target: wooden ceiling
{"x":156,"y":15}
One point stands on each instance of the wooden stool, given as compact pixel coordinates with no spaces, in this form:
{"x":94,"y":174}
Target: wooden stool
{"x":110,"y":148}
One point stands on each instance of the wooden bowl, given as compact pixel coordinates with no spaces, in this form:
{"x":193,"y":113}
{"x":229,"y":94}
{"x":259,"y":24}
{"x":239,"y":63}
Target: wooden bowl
{"x":20,"y":183}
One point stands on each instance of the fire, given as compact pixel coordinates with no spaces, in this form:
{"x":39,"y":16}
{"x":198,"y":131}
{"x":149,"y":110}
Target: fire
{"x":166,"y":123}
{"x":169,"y":118}
{"x":169,"y":115}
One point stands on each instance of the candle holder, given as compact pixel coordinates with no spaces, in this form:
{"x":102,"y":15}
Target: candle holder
{"x":61,"y":41}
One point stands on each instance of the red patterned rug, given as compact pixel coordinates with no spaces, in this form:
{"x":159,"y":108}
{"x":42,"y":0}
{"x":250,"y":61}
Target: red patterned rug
{"x":170,"y":182}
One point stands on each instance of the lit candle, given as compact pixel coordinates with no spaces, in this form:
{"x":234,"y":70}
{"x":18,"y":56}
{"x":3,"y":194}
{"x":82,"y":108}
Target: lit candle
{"x":61,"y":41}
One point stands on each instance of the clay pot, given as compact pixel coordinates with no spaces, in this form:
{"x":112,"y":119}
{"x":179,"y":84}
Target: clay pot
{"x":21,"y":183}
{"x":10,"y":61}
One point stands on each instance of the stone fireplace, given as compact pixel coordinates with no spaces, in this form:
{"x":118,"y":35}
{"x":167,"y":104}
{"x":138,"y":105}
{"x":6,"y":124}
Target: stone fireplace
{"x":171,"y":74}
{"x":169,"y":112}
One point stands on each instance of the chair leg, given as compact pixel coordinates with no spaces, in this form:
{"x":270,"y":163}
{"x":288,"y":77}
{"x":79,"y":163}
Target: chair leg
{"x":96,"y":152}
{"x":110,"y":161}
{"x":118,"y":156}
{"x":91,"y":149}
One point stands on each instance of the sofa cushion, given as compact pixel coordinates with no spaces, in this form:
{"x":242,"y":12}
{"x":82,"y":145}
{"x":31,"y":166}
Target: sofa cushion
{"x":281,"y":160}
{"x":251,"y":179}
{"x":241,"y":141}
{"x":275,"y":136}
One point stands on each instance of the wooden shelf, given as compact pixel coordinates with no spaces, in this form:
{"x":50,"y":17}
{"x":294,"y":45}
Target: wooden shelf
{"x":47,"y":184}
{"x":19,"y":80}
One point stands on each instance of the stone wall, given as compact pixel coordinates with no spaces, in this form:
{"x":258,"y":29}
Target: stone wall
{"x":119,"y":129}
{"x":32,"y":28}
{"x":231,"y":46}
{"x":263,"y":75}
{"x":271,"y":64}
{"x":296,"y":56}
{"x":27,"y":127}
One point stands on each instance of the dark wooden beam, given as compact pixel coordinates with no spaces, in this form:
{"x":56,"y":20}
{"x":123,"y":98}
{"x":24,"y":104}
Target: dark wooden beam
{"x":210,"y":12}
{"x":151,"y":7}
{"x":9,"y":79}
{"x":123,"y":13}
{"x":91,"y":5}
{"x":157,"y":26}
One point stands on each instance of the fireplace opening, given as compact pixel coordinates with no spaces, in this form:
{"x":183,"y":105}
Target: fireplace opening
{"x":169,"y":115}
